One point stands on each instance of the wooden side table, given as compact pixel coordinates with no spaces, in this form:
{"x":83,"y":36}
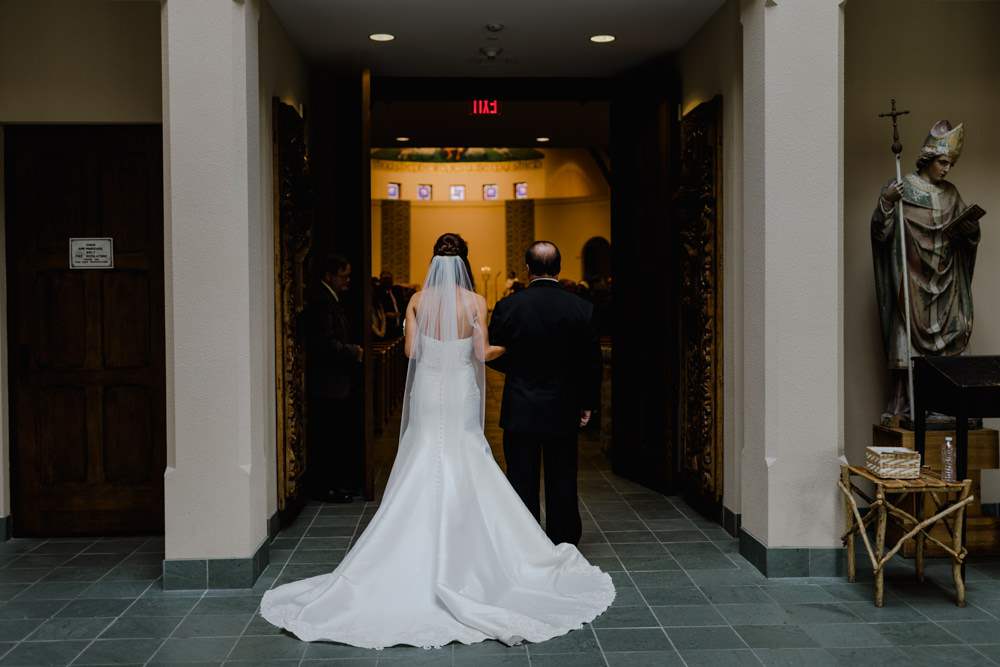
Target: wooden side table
{"x":881,"y":511}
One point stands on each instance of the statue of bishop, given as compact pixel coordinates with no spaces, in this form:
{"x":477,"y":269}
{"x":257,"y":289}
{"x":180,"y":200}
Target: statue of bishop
{"x":941,"y":237}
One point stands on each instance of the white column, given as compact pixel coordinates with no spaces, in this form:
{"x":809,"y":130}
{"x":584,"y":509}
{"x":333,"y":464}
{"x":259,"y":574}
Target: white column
{"x":5,"y":463}
{"x":793,"y":247}
{"x":217,"y":356}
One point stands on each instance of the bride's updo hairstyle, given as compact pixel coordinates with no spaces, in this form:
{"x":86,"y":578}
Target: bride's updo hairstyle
{"x":453,"y":245}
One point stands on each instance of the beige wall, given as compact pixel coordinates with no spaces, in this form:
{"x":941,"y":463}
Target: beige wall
{"x":64,"y":61}
{"x":569,"y":223}
{"x":577,"y":208}
{"x":939,"y":60}
{"x":473,"y":175}
{"x":481,"y":225}
{"x":564,"y":172}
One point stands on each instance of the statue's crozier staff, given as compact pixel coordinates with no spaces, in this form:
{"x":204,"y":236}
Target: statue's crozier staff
{"x":897,"y":148}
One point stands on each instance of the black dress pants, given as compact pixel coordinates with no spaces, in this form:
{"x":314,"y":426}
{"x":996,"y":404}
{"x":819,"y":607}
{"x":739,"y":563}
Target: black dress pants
{"x":335,"y":446}
{"x":524,"y":453}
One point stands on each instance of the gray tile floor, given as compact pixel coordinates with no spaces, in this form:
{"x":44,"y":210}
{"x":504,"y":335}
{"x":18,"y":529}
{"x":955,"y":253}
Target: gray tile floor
{"x":685,"y":597}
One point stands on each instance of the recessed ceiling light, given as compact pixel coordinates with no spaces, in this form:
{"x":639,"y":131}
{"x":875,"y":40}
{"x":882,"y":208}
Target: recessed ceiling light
{"x":402,"y":138}
{"x":602,"y":39}
{"x":541,"y":140}
{"x":381,"y":37}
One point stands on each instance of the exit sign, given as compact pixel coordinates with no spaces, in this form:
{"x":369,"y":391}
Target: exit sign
{"x":484,"y":108}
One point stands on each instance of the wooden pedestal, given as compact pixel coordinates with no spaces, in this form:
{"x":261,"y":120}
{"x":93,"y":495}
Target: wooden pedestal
{"x":982,"y":532}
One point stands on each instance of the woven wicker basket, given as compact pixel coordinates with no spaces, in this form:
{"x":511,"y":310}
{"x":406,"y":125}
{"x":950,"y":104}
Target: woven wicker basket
{"x":893,"y":462}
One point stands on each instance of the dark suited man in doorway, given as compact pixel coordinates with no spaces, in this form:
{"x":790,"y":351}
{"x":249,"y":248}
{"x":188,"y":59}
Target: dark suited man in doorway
{"x":333,"y":365}
{"x":393,"y":303}
{"x":553,"y":381}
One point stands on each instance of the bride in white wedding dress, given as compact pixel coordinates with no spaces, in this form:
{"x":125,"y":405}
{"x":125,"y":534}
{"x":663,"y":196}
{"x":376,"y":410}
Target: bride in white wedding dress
{"x":452,"y":554}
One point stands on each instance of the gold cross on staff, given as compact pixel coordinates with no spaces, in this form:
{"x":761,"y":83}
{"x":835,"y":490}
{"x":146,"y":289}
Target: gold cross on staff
{"x":897,"y":147}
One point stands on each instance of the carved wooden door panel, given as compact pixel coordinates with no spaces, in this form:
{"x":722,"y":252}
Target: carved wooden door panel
{"x":292,"y":233}
{"x":698,"y":202}
{"x":88,"y":407}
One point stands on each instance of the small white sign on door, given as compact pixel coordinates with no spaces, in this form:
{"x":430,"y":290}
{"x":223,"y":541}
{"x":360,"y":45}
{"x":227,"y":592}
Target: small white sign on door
{"x":95,"y":253}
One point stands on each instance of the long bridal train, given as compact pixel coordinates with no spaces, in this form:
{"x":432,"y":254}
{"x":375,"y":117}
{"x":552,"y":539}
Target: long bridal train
{"x":452,"y":554}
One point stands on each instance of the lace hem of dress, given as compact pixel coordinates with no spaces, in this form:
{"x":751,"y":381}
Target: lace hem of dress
{"x":522,"y":628}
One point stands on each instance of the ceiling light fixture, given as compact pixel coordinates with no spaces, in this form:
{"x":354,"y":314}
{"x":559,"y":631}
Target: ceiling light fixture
{"x":602,"y":39}
{"x":381,"y":37}
{"x":541,"y":140}
{"x":402,"y":138}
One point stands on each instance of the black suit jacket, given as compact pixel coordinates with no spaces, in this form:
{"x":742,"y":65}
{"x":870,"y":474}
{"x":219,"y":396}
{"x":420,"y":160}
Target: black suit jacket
{"x":553,"y":359}
{"x":331,"y":359}
{"x":393,"y":329}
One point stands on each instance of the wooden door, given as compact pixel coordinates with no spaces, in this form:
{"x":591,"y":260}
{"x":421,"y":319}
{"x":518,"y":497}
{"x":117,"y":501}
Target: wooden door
{"x":86,"y":346}
{"x":644,"y":244}
{"x":340,"y":160}
{"x":698,"y":205}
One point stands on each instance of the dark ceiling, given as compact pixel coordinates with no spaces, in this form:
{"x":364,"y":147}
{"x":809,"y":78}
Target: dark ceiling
{"x":548,"y":77}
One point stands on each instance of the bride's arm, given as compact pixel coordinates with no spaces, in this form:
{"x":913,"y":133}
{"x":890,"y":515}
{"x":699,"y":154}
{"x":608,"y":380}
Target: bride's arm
{"x":410,"y":327}
{"x":492,"y":351}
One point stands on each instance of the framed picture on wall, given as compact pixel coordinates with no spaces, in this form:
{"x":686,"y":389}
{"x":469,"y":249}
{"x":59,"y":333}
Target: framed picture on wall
{"x":457,"y":192}
{"x":392,"y":192}
{"x":520,"y":191}
{"x":491,"y":192}
{"x":423,"y":191}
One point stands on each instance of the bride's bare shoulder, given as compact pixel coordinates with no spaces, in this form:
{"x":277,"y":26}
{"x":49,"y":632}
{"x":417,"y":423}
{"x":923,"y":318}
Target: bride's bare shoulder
{"x":478,"y":299}
{"x":469,"y":294}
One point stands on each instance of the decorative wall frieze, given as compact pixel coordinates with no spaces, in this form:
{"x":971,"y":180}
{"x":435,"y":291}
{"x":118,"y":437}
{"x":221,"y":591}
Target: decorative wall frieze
{"x":456,"y":167}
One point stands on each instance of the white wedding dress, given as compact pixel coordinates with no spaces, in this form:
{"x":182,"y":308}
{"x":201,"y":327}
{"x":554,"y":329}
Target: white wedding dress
{"x":452,"y":554}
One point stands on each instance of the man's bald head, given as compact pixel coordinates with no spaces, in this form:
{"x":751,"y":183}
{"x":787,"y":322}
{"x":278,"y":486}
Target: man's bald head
{"x":543,"y":259}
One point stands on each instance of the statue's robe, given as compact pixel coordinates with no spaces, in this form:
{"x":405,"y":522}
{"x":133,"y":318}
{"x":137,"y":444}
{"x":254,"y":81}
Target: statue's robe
{"x":939,"y":272}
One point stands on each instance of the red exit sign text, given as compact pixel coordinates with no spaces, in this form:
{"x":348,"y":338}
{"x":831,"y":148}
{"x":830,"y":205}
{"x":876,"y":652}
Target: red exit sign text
{"x":484,"y":108}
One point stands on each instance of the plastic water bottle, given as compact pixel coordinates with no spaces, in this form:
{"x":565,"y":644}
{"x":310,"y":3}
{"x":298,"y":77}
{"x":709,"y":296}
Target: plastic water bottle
{"x":948,"y":460}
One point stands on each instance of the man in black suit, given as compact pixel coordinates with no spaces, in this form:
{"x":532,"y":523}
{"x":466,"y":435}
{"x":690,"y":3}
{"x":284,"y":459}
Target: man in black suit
{"x":332,"y":362}
{"x":393,"y":304}
{"x":553,"y":369}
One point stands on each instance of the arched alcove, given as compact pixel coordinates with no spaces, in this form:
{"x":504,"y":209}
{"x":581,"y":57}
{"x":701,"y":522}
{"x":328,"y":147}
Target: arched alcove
{"x":596,"y":258}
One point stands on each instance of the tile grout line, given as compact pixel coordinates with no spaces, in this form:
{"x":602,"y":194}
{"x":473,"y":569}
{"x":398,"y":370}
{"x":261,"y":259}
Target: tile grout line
{"x":79,"y":597}
{"x":600,"y":529}
{"x":673,"y":646}
{"x":69,"y":601}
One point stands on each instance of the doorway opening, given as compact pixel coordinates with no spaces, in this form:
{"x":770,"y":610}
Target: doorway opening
{"x":501,"y":162}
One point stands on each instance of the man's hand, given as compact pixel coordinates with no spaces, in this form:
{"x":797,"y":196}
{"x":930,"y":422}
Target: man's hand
{"x":584,"y":417}
{"x":361,"y":354}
